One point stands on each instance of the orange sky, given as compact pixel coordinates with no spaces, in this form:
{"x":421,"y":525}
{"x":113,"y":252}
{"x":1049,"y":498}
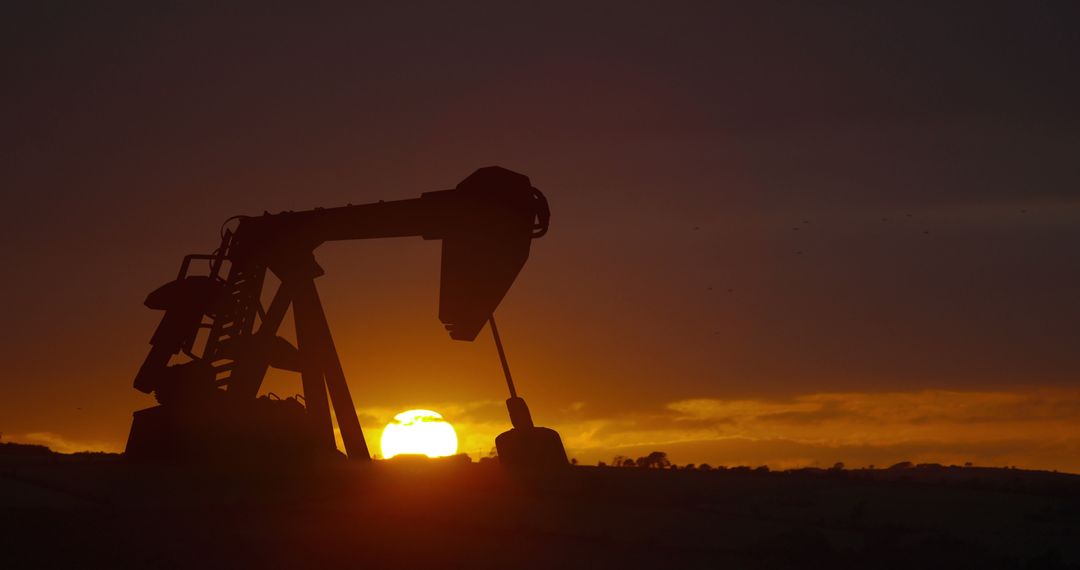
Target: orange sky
{"x":781,"y":237}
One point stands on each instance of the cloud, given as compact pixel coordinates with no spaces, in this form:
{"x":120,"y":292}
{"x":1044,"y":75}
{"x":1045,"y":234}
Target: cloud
{"x":62,"y":444}
{"x":1036,"y":428}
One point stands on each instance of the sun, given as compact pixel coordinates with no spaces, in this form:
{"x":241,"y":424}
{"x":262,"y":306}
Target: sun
{"x":419,"y":432}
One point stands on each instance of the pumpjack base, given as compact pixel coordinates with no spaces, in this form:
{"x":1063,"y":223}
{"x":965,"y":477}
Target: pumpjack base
{"x":220,"y":430}
{"x":532,"y":449}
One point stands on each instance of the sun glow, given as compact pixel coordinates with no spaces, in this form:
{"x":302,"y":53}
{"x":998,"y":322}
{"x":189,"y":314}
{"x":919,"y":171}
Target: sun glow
{"x":419,"y":432}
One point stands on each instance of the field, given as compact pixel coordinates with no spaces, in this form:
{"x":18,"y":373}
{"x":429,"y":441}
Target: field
{"x":100,"y":511}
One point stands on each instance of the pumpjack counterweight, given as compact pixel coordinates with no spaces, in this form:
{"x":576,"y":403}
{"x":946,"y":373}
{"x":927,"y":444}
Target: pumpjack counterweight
{"x":216,"y":340}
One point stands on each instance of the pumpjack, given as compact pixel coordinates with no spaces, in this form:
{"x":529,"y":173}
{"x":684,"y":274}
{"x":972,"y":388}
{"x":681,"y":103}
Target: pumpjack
{"x":216,"y":340}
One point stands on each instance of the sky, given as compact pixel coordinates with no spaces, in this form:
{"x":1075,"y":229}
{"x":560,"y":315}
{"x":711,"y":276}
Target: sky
{"x":782,"y":233}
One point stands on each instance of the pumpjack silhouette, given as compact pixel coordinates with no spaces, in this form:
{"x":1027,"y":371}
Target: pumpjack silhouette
{"x":209,"y":407}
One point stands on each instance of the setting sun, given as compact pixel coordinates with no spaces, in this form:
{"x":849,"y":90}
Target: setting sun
{"x":419,"y":432}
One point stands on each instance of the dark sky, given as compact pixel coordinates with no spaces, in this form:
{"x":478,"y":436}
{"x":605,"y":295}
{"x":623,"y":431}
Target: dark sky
{"x":751,"y":203}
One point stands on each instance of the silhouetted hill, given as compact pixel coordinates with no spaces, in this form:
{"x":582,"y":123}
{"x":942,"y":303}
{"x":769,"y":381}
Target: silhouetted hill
{"x":23,"y":449}
{"x":100,"y":511}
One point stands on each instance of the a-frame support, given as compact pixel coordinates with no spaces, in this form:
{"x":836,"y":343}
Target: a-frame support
{"x":322,"y":372}
{"x":320,"y":367}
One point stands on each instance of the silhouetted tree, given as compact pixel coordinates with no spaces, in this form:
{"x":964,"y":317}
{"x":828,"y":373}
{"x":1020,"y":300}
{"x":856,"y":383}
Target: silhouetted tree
{"x":601,"y":464}
{"x":654,"y":460}
{"x":838,"y":466}
{"x":660,"y":459}
{"x":704,"y":467}
{"x":627,"y":462}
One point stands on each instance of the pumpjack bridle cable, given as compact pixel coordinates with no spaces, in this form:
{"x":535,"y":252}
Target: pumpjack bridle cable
{"x":502,"y":356}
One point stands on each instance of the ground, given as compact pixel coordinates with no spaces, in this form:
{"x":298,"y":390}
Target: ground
{"x":101,"y":511}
